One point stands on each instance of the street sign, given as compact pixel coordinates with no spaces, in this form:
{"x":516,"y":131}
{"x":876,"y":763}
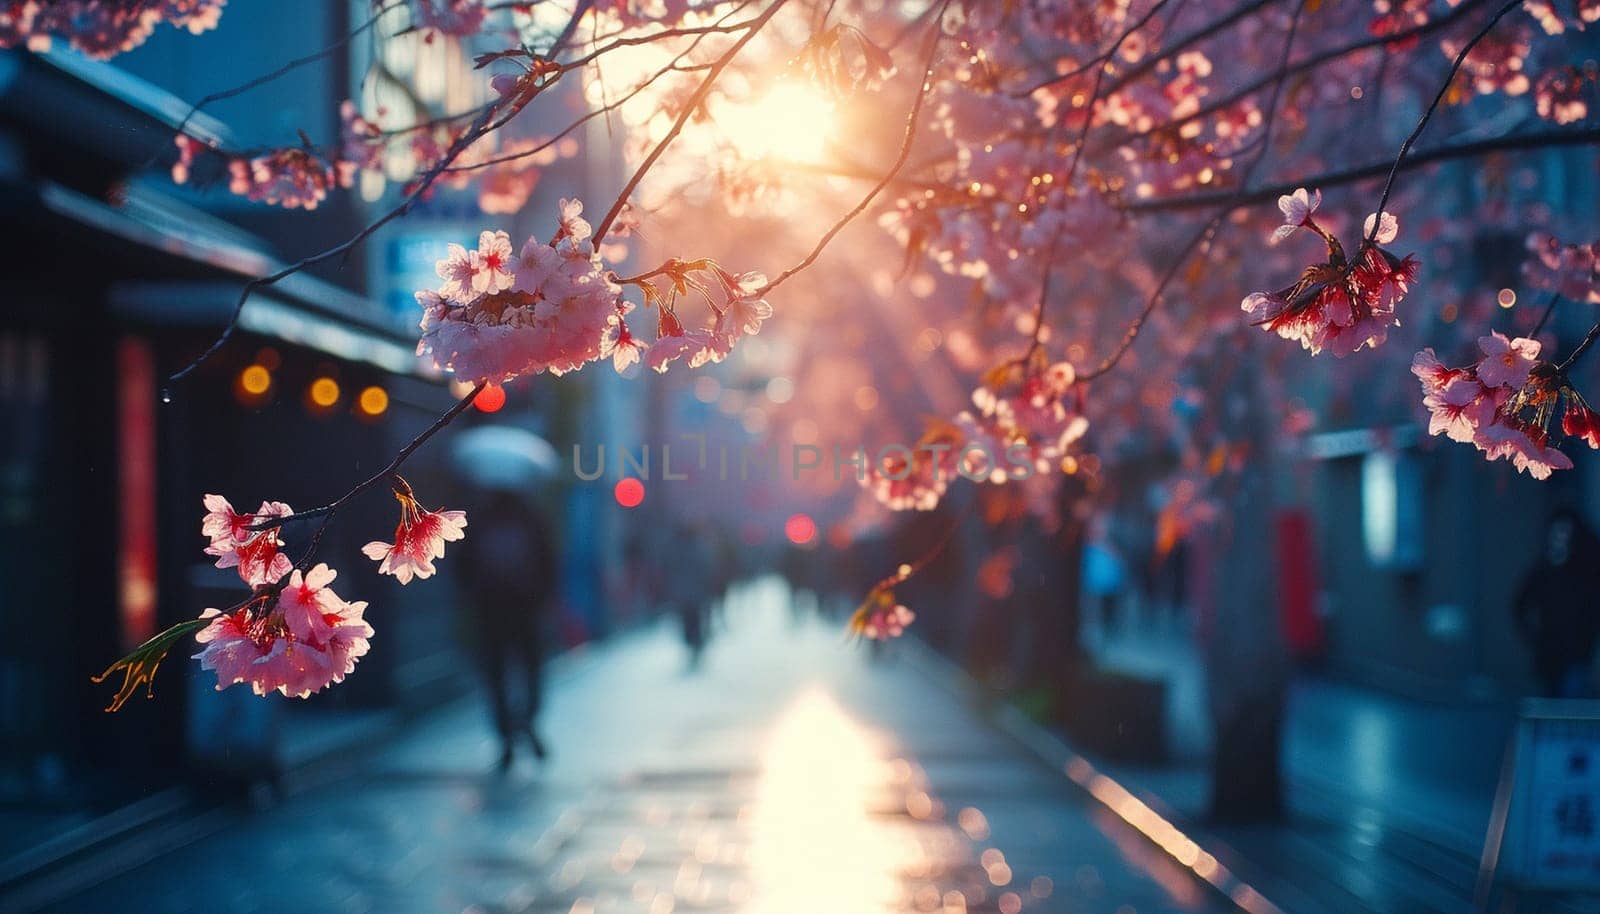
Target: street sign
{"x":1552,"y":836}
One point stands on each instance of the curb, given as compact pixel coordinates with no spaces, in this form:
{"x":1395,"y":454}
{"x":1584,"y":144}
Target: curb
{"x":1160,"y":830}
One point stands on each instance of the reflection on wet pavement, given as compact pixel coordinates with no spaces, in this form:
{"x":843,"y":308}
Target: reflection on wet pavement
{"x":793,"y":773}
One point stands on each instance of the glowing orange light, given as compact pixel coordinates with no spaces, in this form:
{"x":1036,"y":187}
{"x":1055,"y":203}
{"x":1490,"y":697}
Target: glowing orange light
{"x":324,"y":392}
{"x":255,"y":380}
{"x":373,"y":401}
{"x":490,"y":399}
{"x":629,"y":492}
{"x":800,"y":529}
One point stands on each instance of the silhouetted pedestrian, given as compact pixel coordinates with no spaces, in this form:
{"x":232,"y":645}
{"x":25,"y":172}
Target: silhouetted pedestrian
{"x":1556,"y":607}
{"x":689,"y":585}
{"x":510,"y":578}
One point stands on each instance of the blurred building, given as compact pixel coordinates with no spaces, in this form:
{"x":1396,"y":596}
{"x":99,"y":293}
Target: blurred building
{"x":114,"y":278}
{"x":1421,"y":543}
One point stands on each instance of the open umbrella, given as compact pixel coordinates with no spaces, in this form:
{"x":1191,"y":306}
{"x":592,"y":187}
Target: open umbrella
{"x":503,"y":457}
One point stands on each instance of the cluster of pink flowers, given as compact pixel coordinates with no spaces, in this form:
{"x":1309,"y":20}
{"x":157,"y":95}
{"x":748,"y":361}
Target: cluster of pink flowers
{"x":1503,"y":404}
{"x":1036,"y":418}
{"x":258,"y":554}
{"x":741,"y":313}
{"x":880,"y":618}
{"x":1028,"y":416}
{"x":918,"y":480}
{"x":294,"y":178}
{"x":295,"y":641}
{"x":1341,"y":304}
{"x":499,"y":314}
{"x":1558,"y":95}
{"x":100,"y":28}
{"x":1498,"y":62}
{"x":1570,"y":270}
{"x":418,"y":540}
{"x":294,"y":635}
{"x":1556,"y":16}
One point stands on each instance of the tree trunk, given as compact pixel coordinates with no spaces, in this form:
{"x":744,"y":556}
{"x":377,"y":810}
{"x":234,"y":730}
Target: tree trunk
{"x":1246,"y":660}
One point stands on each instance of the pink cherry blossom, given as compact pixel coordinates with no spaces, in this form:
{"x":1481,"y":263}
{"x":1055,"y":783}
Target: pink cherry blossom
{"x":1506,"y":362}
{"x":1339,"y":305}
{"x":887,"y":621}
{"x":361,"y":142}
{"x":1579,"y":421}
{"x":746,"y":310}
{"x":494,"y":263}
{"x":418,"y":540}
{"x":457,"y":269}
{"x":292,"y":178}
{"x":1526,"y":446}
{"x":535,"y":264}
{"x":573,"y":225}
{"x":1459,"y":408}
{"x":295,"y":642}
{"x":672,"y":347}
{"x":549,"y":310}
{"x":1503,"y":405}
{"x":1297,"y":209}
{"x":1387,"y":230}
{"x":98,"y":28}
{"x":625,"y":224}
{"x":621,"y":347}
{"x":1570,"y":270}
{"x":257,"y":554}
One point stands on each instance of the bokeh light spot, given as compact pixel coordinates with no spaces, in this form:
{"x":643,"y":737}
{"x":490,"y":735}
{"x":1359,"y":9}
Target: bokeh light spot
{"x":324,"y":392}
{"x":255,"y":380}
{"x":800,"y":529}
{"x":490,"y":399}
{"x":374,"y":401}
{"x":629,"y":492}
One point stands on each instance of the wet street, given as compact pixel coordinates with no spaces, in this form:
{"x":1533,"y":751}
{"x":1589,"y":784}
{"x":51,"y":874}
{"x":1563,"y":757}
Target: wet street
{"x":791,"y":773}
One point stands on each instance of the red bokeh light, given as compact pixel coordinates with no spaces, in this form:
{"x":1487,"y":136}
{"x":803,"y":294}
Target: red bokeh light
{"x":490,"y":399}
{"x":800,"y":529}
{"x":629,"y":492}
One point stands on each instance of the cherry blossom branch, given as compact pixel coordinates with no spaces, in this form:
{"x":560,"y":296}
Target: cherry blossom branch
{"x":1435,"y":24}
{"x":1098,"y":58}
{"x":899,"y":163}
{"x":1427,"y":114}
{"x":1148,"y":64}
{"x":287,"y":68}
{"x":1541,"y":140}
{"x":689,"y":107}
{"x":671,"y":67}
{"x":716,"y":28}
{"x":1203,"y":237}
{"x":326,"y":511}
{"x":1588,"y":340}
{"x":482,"y":126}
{"x":1549,"y":309}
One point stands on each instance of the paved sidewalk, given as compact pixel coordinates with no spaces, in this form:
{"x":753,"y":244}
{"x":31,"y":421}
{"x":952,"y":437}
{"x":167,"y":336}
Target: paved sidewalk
{"x":792,"y":774}
{"x":1389,"y":797}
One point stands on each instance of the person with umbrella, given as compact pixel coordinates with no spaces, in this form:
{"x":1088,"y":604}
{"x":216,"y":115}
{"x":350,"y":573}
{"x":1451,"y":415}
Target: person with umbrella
{"x":510,"y":574}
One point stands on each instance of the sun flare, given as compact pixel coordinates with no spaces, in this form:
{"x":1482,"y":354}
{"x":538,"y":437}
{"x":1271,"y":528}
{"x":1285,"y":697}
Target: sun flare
{"x":792,"y":121}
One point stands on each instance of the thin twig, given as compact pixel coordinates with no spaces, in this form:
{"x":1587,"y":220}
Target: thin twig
{"x":1405,"y":148}
{"x":900,"y":162}
{"x":689,"y":108}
